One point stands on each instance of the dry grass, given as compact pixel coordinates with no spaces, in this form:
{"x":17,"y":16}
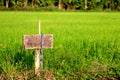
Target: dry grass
{"x":28,"y":75}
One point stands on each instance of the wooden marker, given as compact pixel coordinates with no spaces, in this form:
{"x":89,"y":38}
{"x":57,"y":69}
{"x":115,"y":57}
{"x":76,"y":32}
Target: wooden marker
{"x":35,"y":42}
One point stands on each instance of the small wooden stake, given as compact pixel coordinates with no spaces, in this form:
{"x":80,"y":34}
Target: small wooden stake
{"x":37,"y":55}
{"x":38,"y":42}
{"x":37,"y":60}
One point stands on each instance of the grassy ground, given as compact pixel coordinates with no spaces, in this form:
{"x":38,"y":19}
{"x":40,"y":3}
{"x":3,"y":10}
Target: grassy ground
{"x":86,"y":44}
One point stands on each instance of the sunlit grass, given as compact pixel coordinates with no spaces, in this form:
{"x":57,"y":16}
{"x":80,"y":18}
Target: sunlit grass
{"x":86,"y":44}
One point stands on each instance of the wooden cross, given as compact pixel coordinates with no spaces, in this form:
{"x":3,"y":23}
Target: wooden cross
{"x":37,"y":42}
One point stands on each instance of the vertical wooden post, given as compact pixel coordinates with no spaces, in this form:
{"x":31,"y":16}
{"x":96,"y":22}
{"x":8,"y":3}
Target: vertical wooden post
{"x":37,"y":54}
{"x":37,"y":60}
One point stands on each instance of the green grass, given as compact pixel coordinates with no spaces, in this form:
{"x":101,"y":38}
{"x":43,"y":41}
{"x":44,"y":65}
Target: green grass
{"x":86,"y":44}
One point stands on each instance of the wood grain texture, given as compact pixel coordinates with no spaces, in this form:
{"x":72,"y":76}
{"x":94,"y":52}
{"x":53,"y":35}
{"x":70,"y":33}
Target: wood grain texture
{"x":34,"y":41}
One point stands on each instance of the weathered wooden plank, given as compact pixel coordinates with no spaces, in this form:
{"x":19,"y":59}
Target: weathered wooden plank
{"x":34,"y":41}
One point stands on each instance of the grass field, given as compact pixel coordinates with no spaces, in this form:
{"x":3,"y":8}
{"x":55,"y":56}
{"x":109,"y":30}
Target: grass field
{"x":86,"y":44}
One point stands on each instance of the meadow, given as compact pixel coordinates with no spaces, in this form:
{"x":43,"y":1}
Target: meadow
{"x":86,"y":44}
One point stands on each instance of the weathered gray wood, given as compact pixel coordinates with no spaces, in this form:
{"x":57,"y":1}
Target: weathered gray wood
{"x":34,"y":41}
